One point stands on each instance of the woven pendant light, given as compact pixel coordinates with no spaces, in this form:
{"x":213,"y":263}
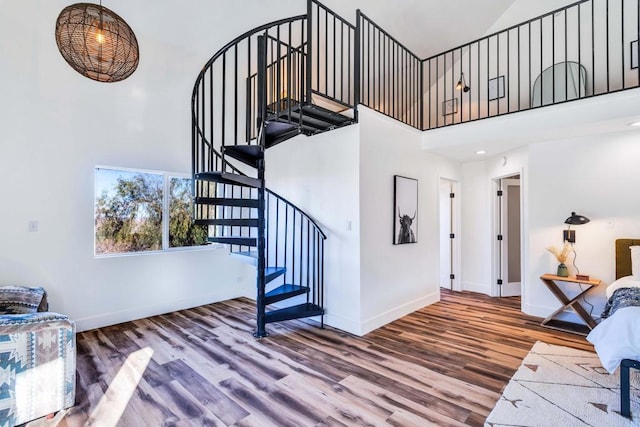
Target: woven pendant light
{"x":97,"y":42}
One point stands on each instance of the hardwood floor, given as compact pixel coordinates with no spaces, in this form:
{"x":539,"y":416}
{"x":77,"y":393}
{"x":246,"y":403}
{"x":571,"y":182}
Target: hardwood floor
{"x":445,"y":364}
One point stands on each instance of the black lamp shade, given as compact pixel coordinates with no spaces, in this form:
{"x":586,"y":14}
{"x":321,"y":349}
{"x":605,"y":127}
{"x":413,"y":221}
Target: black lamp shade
{"x":569,"y":235}
{"x":462,"y":84}
{"x":576,"y":219}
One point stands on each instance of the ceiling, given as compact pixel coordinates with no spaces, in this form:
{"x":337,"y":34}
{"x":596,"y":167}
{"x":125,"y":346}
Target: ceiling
{"x":427,"y":27}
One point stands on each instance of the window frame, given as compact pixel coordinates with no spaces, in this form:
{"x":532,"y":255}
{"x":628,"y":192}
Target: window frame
{"x":166,"y":187}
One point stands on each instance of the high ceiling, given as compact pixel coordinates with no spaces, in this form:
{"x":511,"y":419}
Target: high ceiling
{"x":427,"y":27}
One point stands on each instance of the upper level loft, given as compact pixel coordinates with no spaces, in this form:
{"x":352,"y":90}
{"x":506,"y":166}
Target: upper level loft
{"x":586,"y":49}
{"x":581,"y":51}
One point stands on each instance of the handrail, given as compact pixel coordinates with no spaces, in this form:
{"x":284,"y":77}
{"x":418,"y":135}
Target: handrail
{"x":330,"y":55}
{"x":340,"y":18}
{"x":276,"y":195}
{"x":513,"y":27}
{"x":499,"y":70}
{"x":235,"y":41}
{"x":396,"y":41}
{"x":390,"y":75}
{"x":201,"y":137}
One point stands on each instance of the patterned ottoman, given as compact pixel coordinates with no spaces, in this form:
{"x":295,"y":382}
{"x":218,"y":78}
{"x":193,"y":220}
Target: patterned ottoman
{"x":37,"y":357}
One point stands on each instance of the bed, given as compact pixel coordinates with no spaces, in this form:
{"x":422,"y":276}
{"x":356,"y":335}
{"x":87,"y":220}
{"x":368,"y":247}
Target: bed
{"x":617,"y":337}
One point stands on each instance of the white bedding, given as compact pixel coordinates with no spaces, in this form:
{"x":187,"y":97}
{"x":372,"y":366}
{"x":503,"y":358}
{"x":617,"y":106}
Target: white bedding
{"x":623,"y":282}
{"x":617,"y":338}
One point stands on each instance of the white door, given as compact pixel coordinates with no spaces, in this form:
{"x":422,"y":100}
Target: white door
{"x":448,"y":237}
{"x":511,"y":238}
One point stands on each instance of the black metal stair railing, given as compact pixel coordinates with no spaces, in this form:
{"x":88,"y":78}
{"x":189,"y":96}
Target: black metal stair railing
{"x":308,"y":73}
{"x":293,"y":240}
{"x":588,"y":48}
{"x":390,"y":74}
{"x":332,"y":62}
{"x":245,"y":91}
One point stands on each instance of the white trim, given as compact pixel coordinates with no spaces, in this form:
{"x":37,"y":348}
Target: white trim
{"x":457,"y":230}
{"x":165,"y":251}
{"x":154,"y":171}
{"x":93,"y":322}
{"x":166,"y":180}
{"x":524,"y":240}
{"x":344,"y":324}
{"x":165,"y":211}
{"x":398,"y":312}
{"x":480,"y":288}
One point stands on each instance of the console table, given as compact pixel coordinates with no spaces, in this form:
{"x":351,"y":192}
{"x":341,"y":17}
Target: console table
{"x":569,"y":303}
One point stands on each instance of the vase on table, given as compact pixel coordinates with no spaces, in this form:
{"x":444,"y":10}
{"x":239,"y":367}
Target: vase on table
{"x":563,"y":271}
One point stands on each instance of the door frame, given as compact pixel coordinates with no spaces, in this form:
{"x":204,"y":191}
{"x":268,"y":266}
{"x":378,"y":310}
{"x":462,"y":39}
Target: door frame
{"x":497,"y":268}
{"x":457,"y":226}
{"x":506,"y":183}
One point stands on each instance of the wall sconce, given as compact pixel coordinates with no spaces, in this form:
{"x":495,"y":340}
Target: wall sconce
{"x":569,"y":235}
{"x":462,"y":84}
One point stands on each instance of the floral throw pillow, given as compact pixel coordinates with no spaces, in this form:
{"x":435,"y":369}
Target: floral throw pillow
{"x":20,"y":299}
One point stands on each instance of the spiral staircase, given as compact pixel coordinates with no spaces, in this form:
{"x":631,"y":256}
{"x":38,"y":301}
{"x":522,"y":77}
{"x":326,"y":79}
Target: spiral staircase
{"x":259,"y":90}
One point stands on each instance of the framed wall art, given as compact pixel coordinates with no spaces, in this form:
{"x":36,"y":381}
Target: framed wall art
{"x":496,"y":88}
{"x":450,"y":107}
{"x":405,"y":210}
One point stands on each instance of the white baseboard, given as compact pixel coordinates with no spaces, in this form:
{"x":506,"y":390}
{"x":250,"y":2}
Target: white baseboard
{"x":398,"y":312}
{"x":114,"y":318}
{"x":537,"y":310}
{"x":481,"y":288}
{"x":348,"y":325}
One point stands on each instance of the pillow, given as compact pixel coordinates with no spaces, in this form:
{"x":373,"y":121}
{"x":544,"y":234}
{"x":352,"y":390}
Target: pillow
{"x":623,"y":282}
{"x":615,"y":338}
{"x":635,"y":261}
{"x":20,"y":299}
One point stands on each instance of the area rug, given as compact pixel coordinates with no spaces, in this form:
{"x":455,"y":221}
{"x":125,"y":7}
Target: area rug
{"x":560,"y":386}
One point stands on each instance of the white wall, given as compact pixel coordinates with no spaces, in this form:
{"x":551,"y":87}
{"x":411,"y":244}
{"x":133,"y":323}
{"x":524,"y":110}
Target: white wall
{"x":344,"y":180}
{"x":593,"y":176}
{"x":57,"y":125}
{"x":397,"y":279}
{"x":476,"y":232}
{"x":320,"y":175}
{"x":589,"y":175}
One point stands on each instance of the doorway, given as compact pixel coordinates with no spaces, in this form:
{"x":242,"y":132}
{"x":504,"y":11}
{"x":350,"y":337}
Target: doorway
{"x":509,"y":236}
{"x":449,"y":238}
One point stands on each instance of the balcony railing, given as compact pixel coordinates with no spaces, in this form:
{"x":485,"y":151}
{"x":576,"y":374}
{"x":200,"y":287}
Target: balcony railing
{"x":585,"y":49}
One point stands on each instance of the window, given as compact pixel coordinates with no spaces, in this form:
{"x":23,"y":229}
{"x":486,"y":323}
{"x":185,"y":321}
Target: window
{"x":132,"y":208}
{"x":182,"y":231}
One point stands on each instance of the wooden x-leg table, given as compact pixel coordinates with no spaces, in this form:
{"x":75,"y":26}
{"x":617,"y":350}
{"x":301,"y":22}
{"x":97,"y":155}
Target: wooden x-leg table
{"x":569,"y":303}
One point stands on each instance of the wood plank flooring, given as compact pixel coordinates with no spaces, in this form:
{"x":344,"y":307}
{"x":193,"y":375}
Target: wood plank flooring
{"x":445,"y":364}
